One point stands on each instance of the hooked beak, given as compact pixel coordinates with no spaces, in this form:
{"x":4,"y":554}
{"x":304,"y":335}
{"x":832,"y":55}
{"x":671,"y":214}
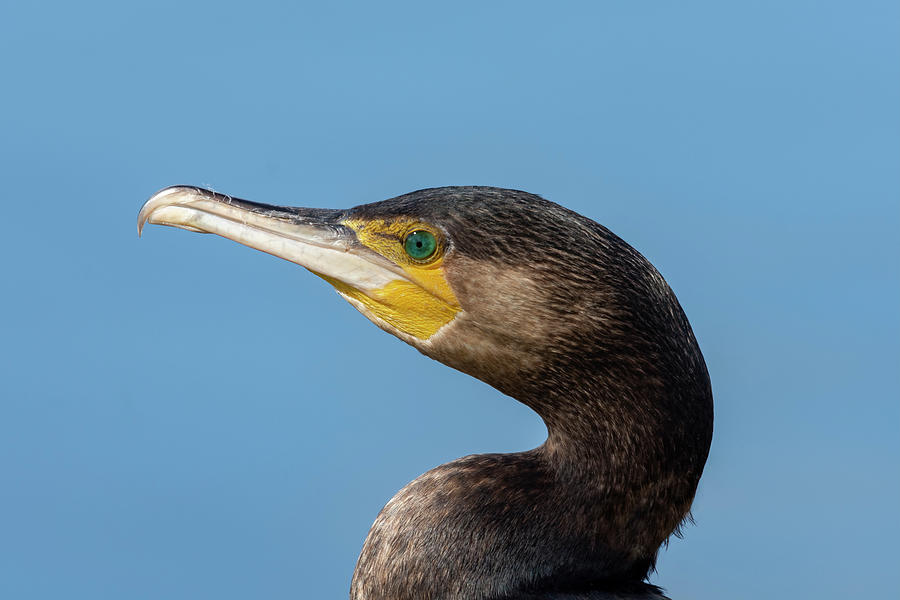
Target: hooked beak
{"x":310,"y":237}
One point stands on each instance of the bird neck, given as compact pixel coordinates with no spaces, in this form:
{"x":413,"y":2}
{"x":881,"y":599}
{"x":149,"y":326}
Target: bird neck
{"x":587,"y":510}
{"x":630,"y":451}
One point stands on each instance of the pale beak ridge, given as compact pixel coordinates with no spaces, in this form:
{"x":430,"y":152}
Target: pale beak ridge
{"x":310,"y":237}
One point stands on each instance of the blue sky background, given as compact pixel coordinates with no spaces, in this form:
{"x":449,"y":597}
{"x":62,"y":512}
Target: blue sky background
{"x":182,"y":417}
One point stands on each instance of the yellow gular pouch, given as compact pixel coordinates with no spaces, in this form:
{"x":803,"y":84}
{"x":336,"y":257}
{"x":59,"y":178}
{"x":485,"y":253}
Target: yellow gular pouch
{"x":419,"y":307}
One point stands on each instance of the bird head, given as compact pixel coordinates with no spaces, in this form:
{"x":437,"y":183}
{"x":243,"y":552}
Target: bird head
{"x":501,"y":284}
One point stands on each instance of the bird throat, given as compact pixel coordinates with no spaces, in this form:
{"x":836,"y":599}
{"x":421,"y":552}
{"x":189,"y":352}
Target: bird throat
{"x":401,"y":305}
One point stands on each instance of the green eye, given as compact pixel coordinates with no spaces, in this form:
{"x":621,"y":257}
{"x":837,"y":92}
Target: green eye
{"x":420,"y":245}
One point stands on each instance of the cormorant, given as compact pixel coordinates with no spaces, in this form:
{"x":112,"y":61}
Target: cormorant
{"x":548,"y":307}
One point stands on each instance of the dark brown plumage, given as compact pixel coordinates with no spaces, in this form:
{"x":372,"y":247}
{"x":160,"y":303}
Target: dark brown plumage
{"x":566,"y":317}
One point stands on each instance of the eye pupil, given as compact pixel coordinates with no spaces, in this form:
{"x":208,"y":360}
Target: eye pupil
{"x":420,"y":245}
